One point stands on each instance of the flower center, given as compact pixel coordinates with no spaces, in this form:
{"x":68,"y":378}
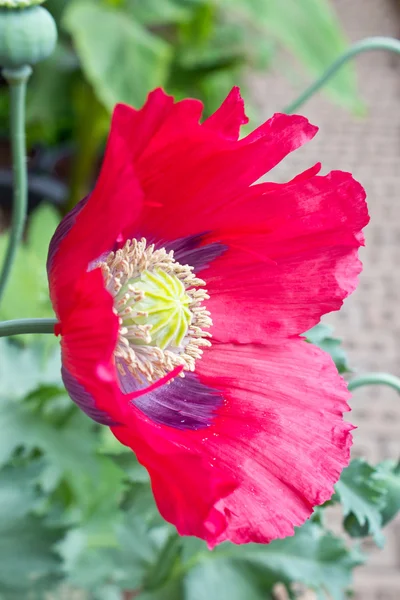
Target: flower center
{"x":159,"y":304}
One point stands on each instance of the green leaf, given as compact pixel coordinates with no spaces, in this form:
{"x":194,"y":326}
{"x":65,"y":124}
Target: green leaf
{"x":158,"y":12}
{"x":69,"y":452}
{"x":167,"y":560}
{"x":27,"y":293}
{"x":313,"y":557}
{"x":38,"y":365}
{"x":310,"y":30}
{"x":49,"y":106}
{"x":387,"y":476}
{"x":121,"y":59}
{"x":124,"y":563}
{"x":27,"y":558}
{"x":227,"y":579}
{"x":321,"y":336}
{"x":389,"y":473}
{"x":361,"y":492}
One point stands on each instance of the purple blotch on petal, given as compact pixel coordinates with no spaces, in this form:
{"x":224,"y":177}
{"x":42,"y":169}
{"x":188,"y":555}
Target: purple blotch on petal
{"x":62,"y":230}
{"x":185,"y":403}
{"x":187,"y":250}
{"x":84,"y":400}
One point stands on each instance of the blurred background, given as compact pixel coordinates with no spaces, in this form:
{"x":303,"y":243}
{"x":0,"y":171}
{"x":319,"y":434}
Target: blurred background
{"x":117,"y":50}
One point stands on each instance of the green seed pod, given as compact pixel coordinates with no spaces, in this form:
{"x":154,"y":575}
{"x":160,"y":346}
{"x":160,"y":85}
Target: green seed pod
{"x":28,"y":34}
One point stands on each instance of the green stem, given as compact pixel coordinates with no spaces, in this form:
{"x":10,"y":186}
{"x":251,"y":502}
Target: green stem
{"x":375,"y":379}
{"x":21,"y":326}
{"x":17,"y":79}
{"x":372,"y":43}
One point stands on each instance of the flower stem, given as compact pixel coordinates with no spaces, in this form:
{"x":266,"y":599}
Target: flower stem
{"x":372,"y":43}
{"x":375,"y":379}
{"x":17,"y":79}
{"x":21,"y":326}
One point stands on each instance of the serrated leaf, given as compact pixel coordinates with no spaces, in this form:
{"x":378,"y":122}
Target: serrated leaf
{"x":124,"y":563}
{"x":69,"y":452}
{"x":361,"y":492}
{"x":313,"y":557}
{"x":27,"y":558}
{"x":38,"y":364}
{"x":387,"y":474}
{"x":322,"y":336}
{"x":120,"y":58}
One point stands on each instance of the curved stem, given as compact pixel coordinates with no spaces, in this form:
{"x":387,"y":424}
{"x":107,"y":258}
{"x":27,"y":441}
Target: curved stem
{"x":17,"y":80}
{"x":375,"y":379}
{"x":21,"y":326}
{"x":372,"y":43}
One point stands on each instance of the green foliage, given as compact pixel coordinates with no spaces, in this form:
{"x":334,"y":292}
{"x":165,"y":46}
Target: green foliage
{"x":370,"y":497}
{"x":27,"y":294}
{"x":321,"y":336}
{"x":77,"y":508}
{"x":312,"y":556}
{"x":27,"y":556}
{"x":362,"y":496}
{"x":121,"y":59}
{"x":310,"y":31}
{"x":191,"y":47}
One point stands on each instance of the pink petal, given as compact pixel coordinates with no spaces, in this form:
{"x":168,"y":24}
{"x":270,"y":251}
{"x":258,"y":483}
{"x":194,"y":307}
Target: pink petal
{"x":292,"y":257}
{"x":275,"y":450}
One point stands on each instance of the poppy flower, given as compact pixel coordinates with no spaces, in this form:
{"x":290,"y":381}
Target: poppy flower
{"x":182,"y":287}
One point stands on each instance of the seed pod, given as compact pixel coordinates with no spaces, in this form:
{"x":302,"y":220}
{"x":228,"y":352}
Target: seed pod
{"x":28,"y":33}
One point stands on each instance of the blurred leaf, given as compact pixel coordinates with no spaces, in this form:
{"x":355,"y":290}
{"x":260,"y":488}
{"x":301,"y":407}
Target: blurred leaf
{"x":313,"y":557}
{"x":124,"y":563}
{"x":42,"y":226}
{"x":38,"y":365}
{"x":389,"y":474}
{"x":121,"y":60}
{"x":172,"y":590}
{"x":386,"y":475}
{"x":310,"y":30}
{"x":69,"y":453}
{"x":27,"y":558}
{"x":227,"y":579}
{"x":27,"y":293}
{"x":49,"y":106}
{"x":361,"y":492}
{"x":321,"y":336}
{"x":166,"y":562}
{"x":159,"y":12}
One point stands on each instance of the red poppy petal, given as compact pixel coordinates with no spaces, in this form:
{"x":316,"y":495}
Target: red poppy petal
{"x":112,"y":207}
{"x":229,"y":117}
{"x":292,"y":257}
{"x":276,"y":449}
{"x":89,"y":336}
{"x":194,"y":172}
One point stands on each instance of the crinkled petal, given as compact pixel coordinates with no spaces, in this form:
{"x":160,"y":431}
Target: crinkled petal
{"x":292,"y":257}
{"x":187,"y":179}
{"x":279,"y":443}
